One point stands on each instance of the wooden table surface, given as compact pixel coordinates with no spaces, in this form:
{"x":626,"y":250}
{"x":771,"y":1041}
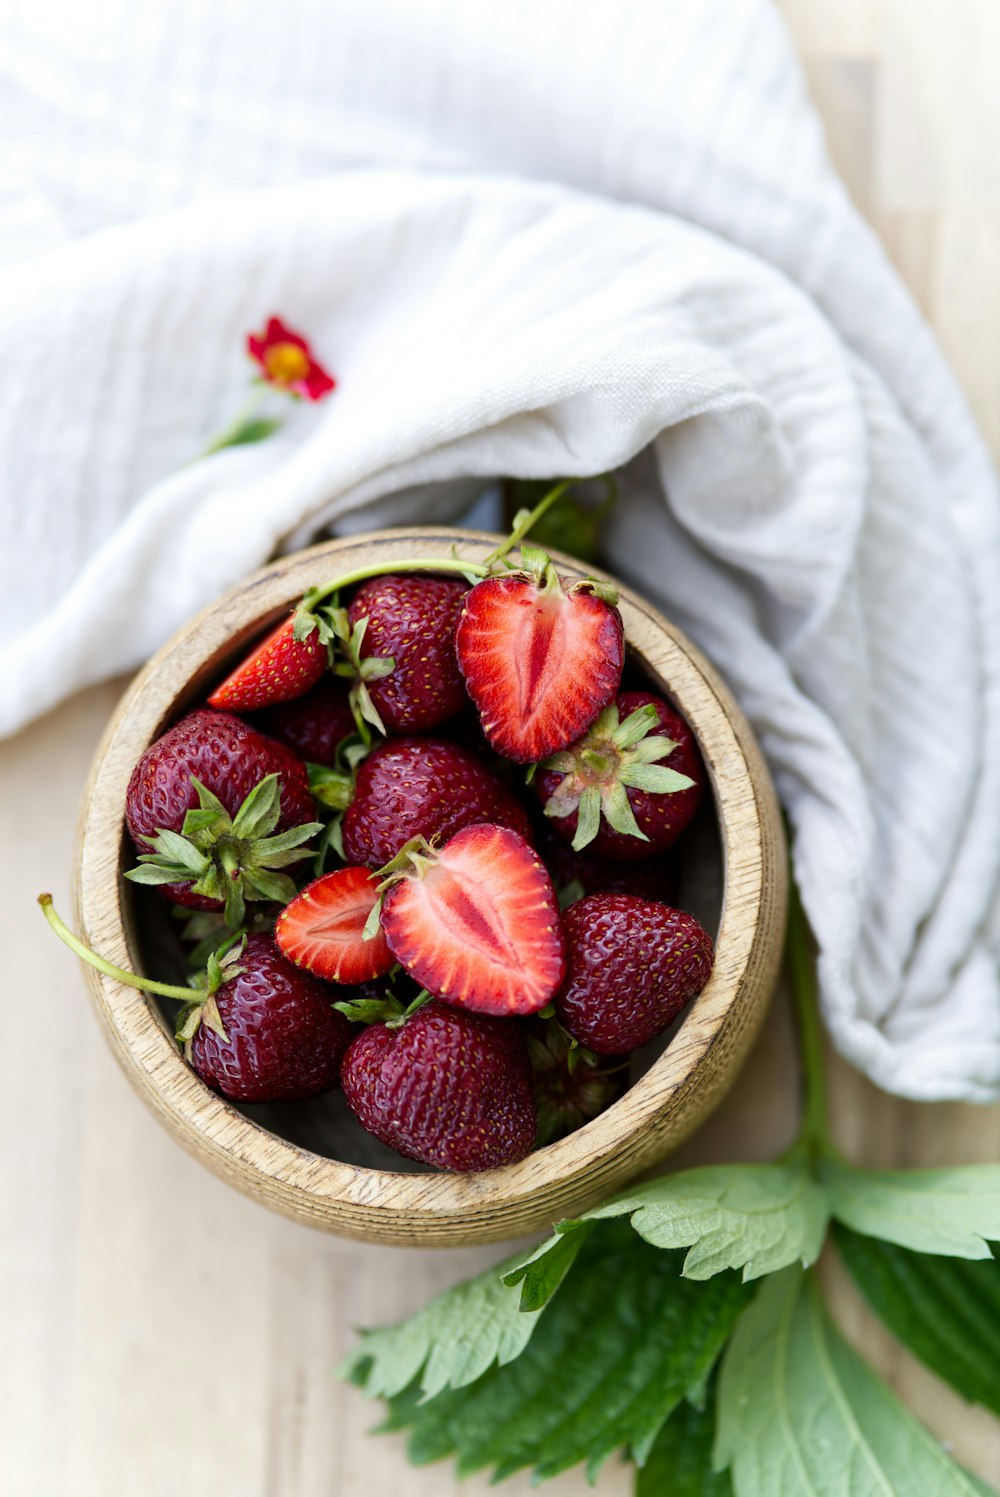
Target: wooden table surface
{"x":161,"y":1335}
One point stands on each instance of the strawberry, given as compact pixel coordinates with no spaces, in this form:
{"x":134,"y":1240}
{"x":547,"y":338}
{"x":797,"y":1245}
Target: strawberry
{"x":314,"y":725}
{"x":282,"y":1038}
{"x":323,"y":928}
{"x":449,"y":1088}
{"x":541,"y":656}
{"x":423,"y":787}
{"x":476,"y":922}
{"x":215,"y":808}
{"x":571,"y":1085}
{"x":283,"y":666}
{"x":578,"y":873}
{"x":632,"y":965}
{"x":631,"y":785}
{"x":411,"y":621}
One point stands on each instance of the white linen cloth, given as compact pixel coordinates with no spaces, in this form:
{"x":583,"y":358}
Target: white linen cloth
{"x":534,"y":239}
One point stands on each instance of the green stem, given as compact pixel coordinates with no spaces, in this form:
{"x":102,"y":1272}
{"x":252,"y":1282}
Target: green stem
{"x":249,"y":408}
{"x":146,"y":984}
{"x":316,"y":595}
{"x":814,"y":1136}
{"x":527,"y":519}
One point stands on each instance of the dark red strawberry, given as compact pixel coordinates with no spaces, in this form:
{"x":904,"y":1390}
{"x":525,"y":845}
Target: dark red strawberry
{"x":632,"y":965}
{"x":582,"y":873}
{"x":571,"y":1084}
{"x":630,"y":786}
{"x":423,"y":787}
{"x":284,"y":1039}
{"x":232,"y":761}
{"x":280,"y":668}
{"x":449,"y":1088}
{"x":411,"y":620}
{"x":323,"y":928}
{"x":541,"y":656}
{"x":314,"y":725}
{"x":476,"y":922}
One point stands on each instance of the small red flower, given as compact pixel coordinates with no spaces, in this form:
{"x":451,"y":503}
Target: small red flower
{"x":286,"y":361}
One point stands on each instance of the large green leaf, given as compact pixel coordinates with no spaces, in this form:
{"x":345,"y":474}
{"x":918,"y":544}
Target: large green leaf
{"x":754,"y":1217}
{"x":680,"y":1462}
{"x":625,"y":1340}
{"x":946,"y":1310}
{"x":801,"y":1415}
{"x":950,"y":1211}
{"x":450,"y":1342}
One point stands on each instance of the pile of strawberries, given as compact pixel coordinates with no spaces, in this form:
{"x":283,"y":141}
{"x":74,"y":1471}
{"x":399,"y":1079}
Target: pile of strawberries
{"x":488,"y":943}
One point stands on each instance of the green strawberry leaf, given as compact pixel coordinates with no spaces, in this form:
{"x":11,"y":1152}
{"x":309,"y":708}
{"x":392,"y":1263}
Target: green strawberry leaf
{"x":611,"y":1357}
{"x":946,"y":1310}
{"x":680,"y":1461}
{"x":447,"y":1344}
{"x":801,"y":1415}
{"x":951,"y":1211}
{"x":754,"y":1217}
{"x":542,"y":1272}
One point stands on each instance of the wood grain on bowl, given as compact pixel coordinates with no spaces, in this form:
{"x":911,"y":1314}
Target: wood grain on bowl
{"x":655,"y":1115}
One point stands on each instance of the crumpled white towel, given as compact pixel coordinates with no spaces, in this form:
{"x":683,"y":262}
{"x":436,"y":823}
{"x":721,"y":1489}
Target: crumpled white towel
{"x":536,"y":238}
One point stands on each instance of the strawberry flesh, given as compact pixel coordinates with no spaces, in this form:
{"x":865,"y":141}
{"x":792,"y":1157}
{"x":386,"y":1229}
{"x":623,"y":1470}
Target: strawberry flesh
{"x":423,"y":787}
{"x":477,"y":923}
{"x":279,"y":669}
{"x":451,"y":1089}
{"x":323,"y":928}
{"x":285,"y":1040}
{"x":540,"y":661}
{"x":632,"y":966}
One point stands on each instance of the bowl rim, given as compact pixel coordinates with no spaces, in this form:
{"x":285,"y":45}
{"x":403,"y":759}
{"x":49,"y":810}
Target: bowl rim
{"x":358,"y":1200}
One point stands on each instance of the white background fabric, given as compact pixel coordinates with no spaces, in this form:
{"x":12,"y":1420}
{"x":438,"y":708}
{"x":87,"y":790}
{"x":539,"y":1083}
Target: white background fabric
{"x":534,"y":238}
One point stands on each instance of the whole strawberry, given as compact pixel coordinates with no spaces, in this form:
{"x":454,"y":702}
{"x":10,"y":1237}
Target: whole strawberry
{"x":282,"y":1038}
{"x":285,"y":665}
{"x":541,"y":656}
{"x":411,"y":621}
{"x":578,"y":873}
{"x":630,"y":786}
{"x":252,"y":791}
{"x":423,"y":787}
{"x":571,"y":1084}
{"x":631,"y":967}
{"x":312,"y":726}
{"x":449,"y":1088}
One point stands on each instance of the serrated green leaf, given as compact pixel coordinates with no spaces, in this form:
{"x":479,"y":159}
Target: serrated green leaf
{"x":680,"y":1461}
{"x":542,"y":1272}
{"x":801,"y":1415}
{"x":449,"y":1343}
{"x":611,"y":1356}
{"x":946,"y":1310}
{"x":951,"y":1211}
{"x":754,"y":1217}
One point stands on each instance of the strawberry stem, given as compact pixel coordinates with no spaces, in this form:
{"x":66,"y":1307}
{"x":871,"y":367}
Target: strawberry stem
{"x":527,"y":518}
{"x":146,"y":984}
{"x":316,"y":595}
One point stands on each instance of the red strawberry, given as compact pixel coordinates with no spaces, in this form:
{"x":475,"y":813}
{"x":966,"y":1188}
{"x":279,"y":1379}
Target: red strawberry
{"x":411,"y":620}
{"x":541,"y":657}
{"x":314,"y":725}
{"x":323,"y":928}
{"x":280,"y":668}
{"x":571,"y":1085}
{"x":632,"y":965}
{"x":231,"y":760}
{"x":653,"y":878}
{"x":630,"y":786}
{"x":476,"y":922}
{"x":284,"y":1039}
{"x":449,"y":1088}
{"x":423,"y":787}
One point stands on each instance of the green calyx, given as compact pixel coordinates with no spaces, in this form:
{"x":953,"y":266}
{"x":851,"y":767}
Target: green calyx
{"x":390,"y":1010}
{"x":571,"y":1084}
{"x":231,"y":859}
{"x":359,"y":669}
{"x":598,"y":771}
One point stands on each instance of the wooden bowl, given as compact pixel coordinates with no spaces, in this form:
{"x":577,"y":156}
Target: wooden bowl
{"x":395,"y":1204}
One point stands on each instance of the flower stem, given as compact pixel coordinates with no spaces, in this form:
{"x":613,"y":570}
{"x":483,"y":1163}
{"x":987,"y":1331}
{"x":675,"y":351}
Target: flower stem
{"x":249,"y":408}
{"x":814,"y":1136}
{"x":146,"y":984}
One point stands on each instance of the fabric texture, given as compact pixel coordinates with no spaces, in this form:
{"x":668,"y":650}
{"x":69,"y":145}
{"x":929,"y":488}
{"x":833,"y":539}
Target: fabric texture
{"x":530,"y":239}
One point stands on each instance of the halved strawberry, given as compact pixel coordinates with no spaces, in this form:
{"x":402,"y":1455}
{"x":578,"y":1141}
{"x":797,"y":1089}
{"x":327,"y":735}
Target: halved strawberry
{"x":541,"y":657}
{"x":477,"y":922}
{"x":278,"y":670}
{"x":322,"y":929}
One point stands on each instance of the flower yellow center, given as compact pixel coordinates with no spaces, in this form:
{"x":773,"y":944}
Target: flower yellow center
{"x":286,"y":362}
